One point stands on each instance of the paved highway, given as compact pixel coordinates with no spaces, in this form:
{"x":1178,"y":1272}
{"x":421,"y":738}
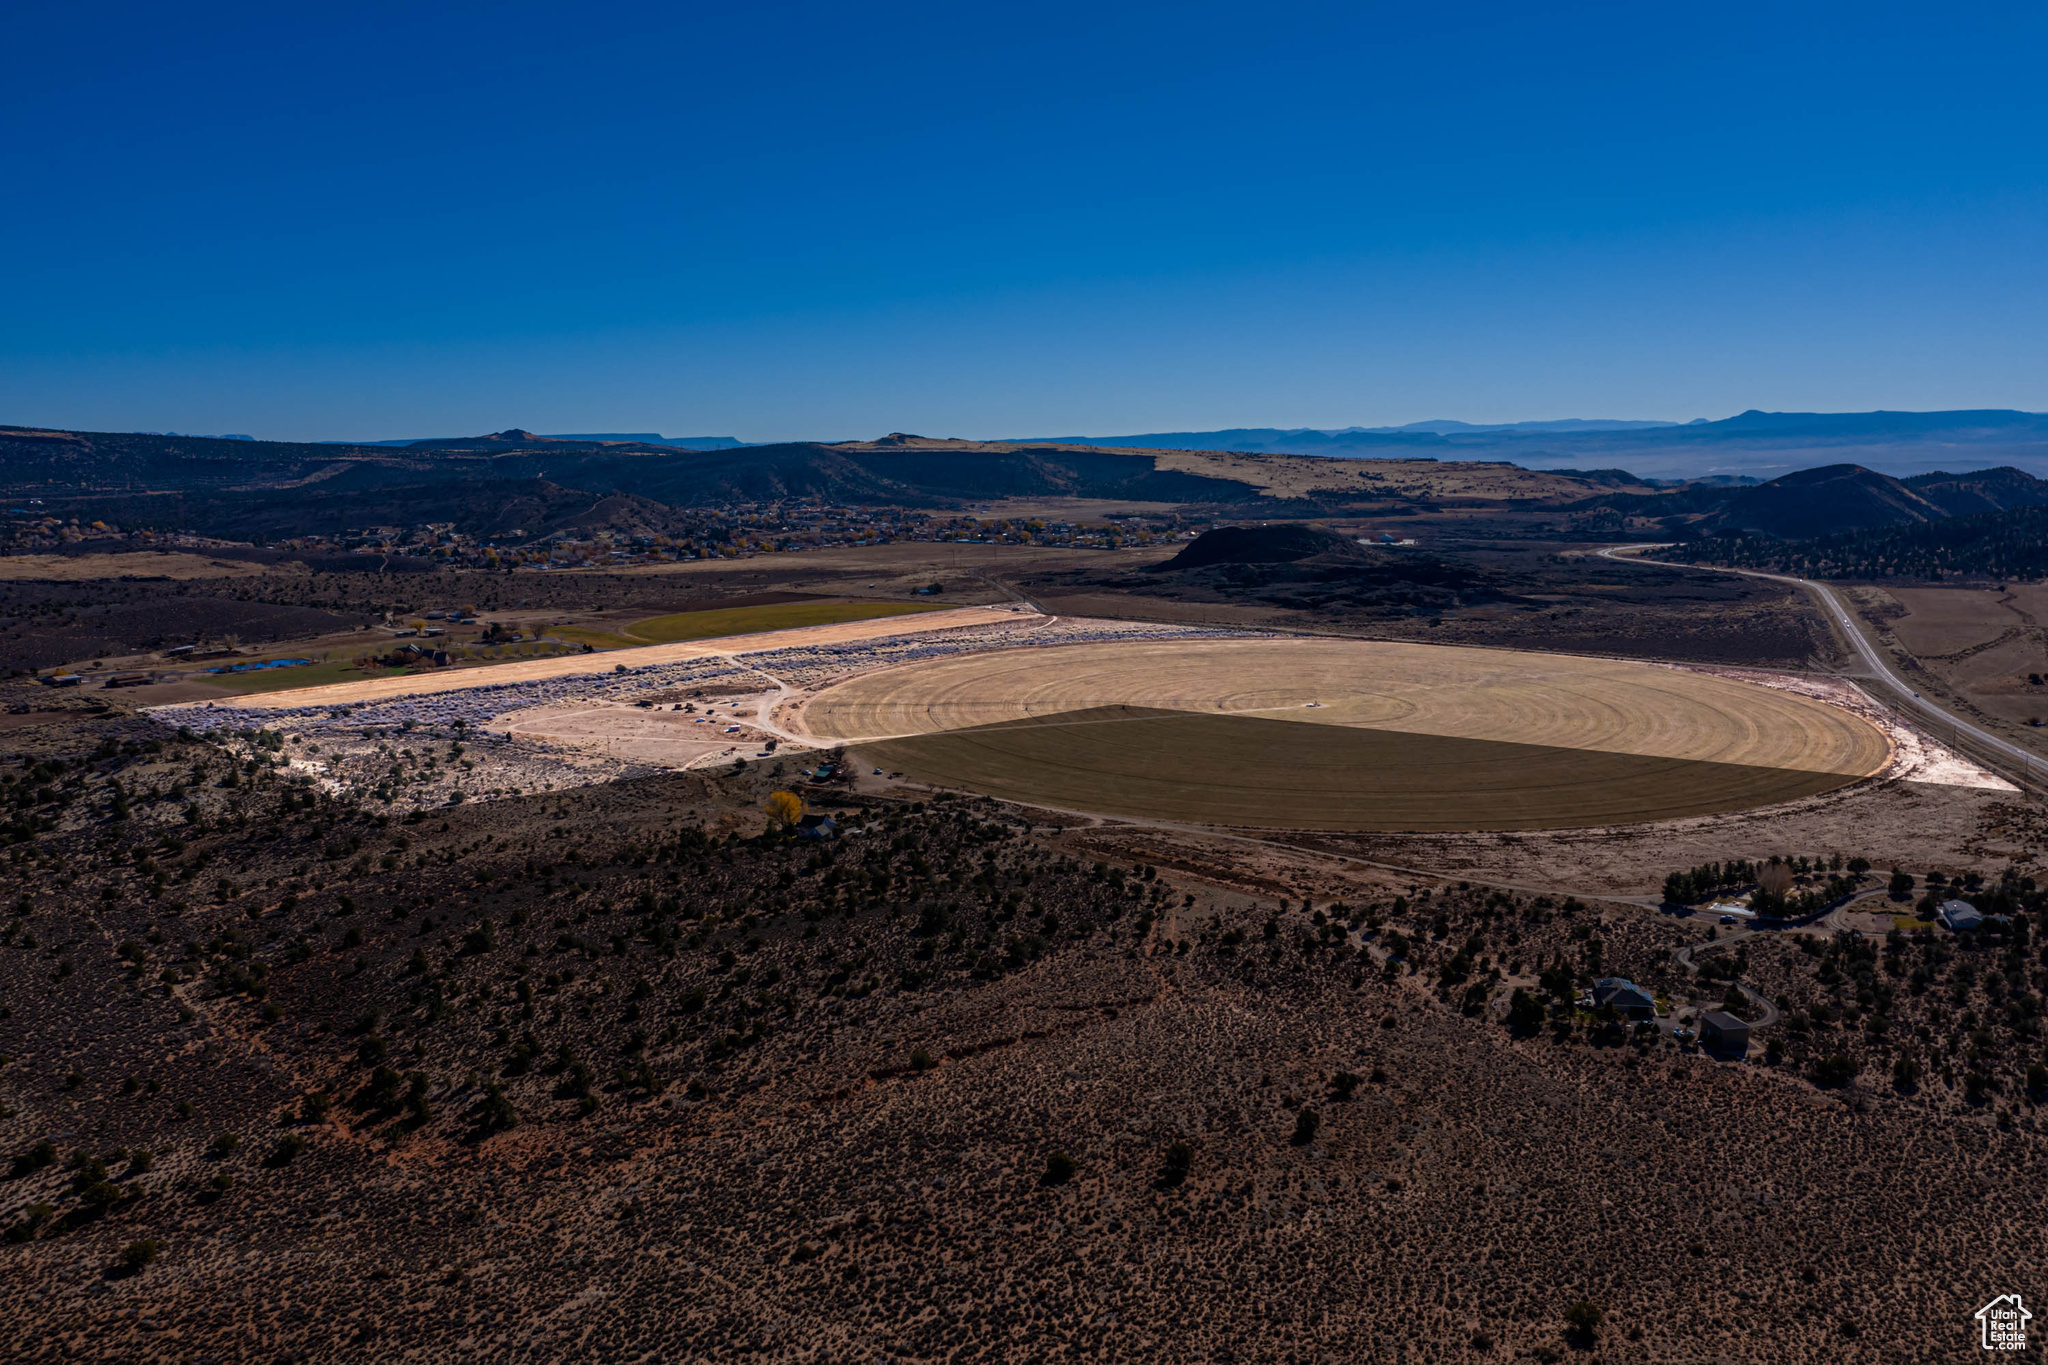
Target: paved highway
{"x":1875,"y":662}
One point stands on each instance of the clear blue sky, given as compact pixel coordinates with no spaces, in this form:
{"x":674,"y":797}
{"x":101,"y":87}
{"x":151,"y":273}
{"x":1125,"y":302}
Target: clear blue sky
{"x":794,"y":220}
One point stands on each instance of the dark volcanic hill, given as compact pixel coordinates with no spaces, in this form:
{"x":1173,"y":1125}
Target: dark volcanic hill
{"x":1813,"y":502}
{"x":1312,"y":568}
{"x":1981,"y":490}
{"x":1996,"y":546}
{"x":1845,"y":497}
{"x":1282,"y":544}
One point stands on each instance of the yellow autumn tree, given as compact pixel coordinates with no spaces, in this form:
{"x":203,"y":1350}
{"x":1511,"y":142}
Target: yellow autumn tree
{"x":784,"y":809}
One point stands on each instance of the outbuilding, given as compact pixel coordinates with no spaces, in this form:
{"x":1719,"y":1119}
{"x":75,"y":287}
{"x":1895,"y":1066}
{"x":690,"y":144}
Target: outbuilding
{"x":1723,"y":1031}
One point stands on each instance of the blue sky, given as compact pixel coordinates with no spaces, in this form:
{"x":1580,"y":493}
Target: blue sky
{"x":821,"y":221}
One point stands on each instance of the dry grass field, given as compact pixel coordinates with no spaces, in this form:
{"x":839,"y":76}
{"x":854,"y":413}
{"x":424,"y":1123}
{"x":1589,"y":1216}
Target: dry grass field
{"x":1338,"y":734}
{"x":1295,"y":476}
{"x":1945,"y":621}
{"x":1985,"y":646}
{"x":91,"y":568}
{"x":573,"y":665}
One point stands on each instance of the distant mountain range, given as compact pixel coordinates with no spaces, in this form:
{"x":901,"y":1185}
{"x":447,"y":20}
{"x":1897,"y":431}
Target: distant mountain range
{"x":1232,"y":438}
{"x":645,"y":438}
{"x":1754,"y":444}
{"x":1751,"y":445}
{"x":1821,"y":474}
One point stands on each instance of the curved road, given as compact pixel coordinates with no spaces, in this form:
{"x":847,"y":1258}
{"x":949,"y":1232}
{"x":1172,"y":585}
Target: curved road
{"x":1831,"y":605}
{"x":1757,"y":999}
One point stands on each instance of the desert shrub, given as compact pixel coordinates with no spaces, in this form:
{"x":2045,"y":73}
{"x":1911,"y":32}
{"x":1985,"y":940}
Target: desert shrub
{"x":1174,"y":1168}
{"x":524,"y":1053}
{"x":1525,"y":1012}
{"x":1059,"y":1169}
{"x":32,"y":1220}
{"x":1305,"y":1125}
{"x":225,"y":1144}
{"x":1835,"y":1071}
{"x":497,"y":1113}
{"x":1342,"y":1085}
{"x":383,"y":1089}
{"x":36,"y":1158}
{"x":288,"y":1148}
{"x":1582,"y":1320}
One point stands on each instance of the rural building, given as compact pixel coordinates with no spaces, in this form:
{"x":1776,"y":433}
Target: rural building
{"x":818,"y":827}
{"x":1626,"y":996}
{"x":1959,"y":916}
{"x":125,"y":680}
{"x":1722,"y":1030}
{"x":64,"y":680}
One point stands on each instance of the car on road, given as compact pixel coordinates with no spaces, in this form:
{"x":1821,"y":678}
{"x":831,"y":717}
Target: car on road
{"x":1683,"y":1035}
{"x":1727,"y":919}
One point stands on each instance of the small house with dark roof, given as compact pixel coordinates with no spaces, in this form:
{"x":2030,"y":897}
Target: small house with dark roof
{"x":1626,"y":996}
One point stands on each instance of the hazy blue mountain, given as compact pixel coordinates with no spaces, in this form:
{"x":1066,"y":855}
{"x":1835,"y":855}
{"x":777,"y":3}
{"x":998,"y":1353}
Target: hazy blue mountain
{"x":1750,"y":445}
{"x":643,"y":437}
{"x":651,"y":439}
{"x":1446,"y":427}
{"x":1264,"y":440}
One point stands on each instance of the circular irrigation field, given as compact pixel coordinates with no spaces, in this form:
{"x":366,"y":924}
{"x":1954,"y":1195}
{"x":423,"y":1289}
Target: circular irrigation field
{"x":1346,"y":734}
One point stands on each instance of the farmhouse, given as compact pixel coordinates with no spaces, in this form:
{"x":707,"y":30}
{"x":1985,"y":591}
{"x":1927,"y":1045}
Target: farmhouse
{"x":1626,"y":996}
{"x":1959,"y":916}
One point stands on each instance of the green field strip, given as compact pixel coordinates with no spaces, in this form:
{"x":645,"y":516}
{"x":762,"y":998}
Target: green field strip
{"x":716,"y":622}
